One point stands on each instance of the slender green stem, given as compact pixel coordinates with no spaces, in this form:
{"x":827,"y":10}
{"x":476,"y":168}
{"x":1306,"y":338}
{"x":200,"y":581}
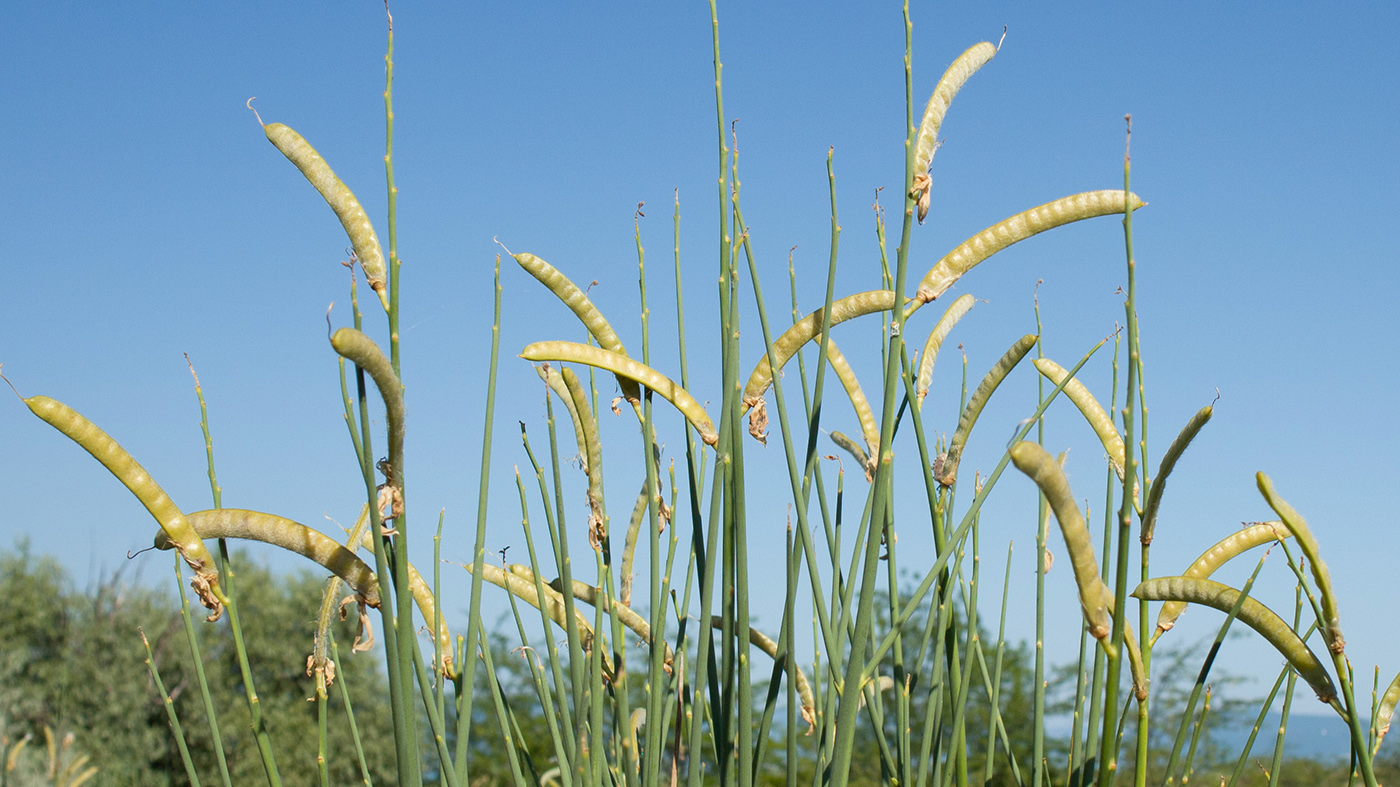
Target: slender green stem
{"x":169,"y":712}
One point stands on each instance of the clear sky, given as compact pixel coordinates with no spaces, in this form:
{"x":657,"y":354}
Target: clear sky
{"x":146,"y":216}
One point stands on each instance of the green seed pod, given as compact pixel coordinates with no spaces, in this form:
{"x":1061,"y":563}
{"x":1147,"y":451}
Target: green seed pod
{"x":1094,"y":597}
{"x":1017,"y":228}
{"x":1254,"y":614}
{"x":955,"y":312}
{"x":1386,"y":710}
{"x":363,"y":352}
{"x":1174,"y":452}
{"x":1098,"y":419}
{"x":1212,"y":559}
{"x":948,"y":471}
{"x":556,"y":384}
{"x":177,"y":529}
{"x":868,"y":427}
{"x":806,"y":329}
{"x":1331,"y":627}
{"x":593,"y":448}
{"x":851,"y":447}
{"x":578,"y":302}
{"x":626,"y":367}
{"x":552,"y":603}
{"x":342,"y":201}
{"x":927,"y":141}
{"x":289,"y":535}
{"x":317,"y":547}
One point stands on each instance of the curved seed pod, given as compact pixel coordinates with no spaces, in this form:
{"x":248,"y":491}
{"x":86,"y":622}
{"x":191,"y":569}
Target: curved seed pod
{"x":1174,"y":452}
{"x":556,"y":384}
{"x":1094,"y":597}
{"x":320,"y":662}
{"x":629,"y":544}
{"x":626,"y":367}
{"x":927,"y":141}
{"x":340,"y":198}
{"x":766,"y":644}
{"x":806,"y":329}
{"x":850,"y":446}
{"x":1385,"y":710}
{"x":1215,"y":557}
{"x":287,"y":534}
{"x":1254,"y":614}
{"x":134,"y":477}
{"x":1017,"y":228}
{"x":940,"y":331}
{"x":552,"y":603}
{"x":869,"y":429}
{"x":360,"y":349}
{"x":578,"y":303}
{"x":593,"y":448}
{"x":948,"y":471}
{"x":316,"y":546}
{"x":1093,"y":412}
{"x":1331,"y":627}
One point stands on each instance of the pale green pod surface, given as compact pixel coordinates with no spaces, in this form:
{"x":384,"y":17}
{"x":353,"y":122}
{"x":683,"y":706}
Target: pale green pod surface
{"x":851,"y":447}
{"x":583,"y":308}
{"x":1387,"y":709}
{"x":552,"y":603}
{"x":955,"y":312}
{"x":287,"y":534}
{"x":135,"y":478}
{"x":869,"y":429}
{"x":1094,"y":597}
{"x":1164,"y":470}
{"x":1218,"y":555}
{"x":806,"y":329}
{"x":948,"y":471}
{"x":1093,"y":412}
{"x":953,"y":79}
{"x":593,"y":449}
{"x":556,"y":384}
{"x":1331,"y":627}
{"x":1015,"y":229}
{"x":1254,"y":614}
{"x":626,"y":367}
{"x":363,"y":352}
{"x":348,"y":209}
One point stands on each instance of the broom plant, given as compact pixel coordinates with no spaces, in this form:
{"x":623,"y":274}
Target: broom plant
{"x":669,"y":677}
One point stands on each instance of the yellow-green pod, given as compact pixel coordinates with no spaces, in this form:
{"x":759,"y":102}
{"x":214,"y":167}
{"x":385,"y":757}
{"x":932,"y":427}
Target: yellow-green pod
{"x":578,"y":303}
{"x":363,"y":352}
{"x":1164,"y":470}
{"x":289,"y":535}
{"x":348,"y":209}
{"x":555,"y":381}
{"x":1332,"y":628}
{"x":851,"y":447}
{"x":626,"y":367}
{"x":173,"y":524}
{"x":948,"y":471}
{"x":766,"y":644}
{"x":1386,"y":710}
{"x":593,"y":448}
{"x":1218,"y":555}
{"x":1093,"y":412}
{"x":806,"y":329}
{"x":552,"y":603}
{"x":926,"y":143}
{"x":1017,"y":228}
{"x":955,"y":312}
{"x":869,"y":429}
{"x":1254,"y":614}
{"x":1094,"y":597}
{"x":317,"y":547}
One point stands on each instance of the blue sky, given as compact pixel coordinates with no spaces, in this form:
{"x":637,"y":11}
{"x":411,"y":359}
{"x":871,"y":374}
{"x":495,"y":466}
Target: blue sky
{"x":147,"y":216}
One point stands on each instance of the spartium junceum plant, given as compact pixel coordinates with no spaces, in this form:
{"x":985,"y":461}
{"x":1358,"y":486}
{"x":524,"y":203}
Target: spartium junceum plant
{"x":666,"y":677}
